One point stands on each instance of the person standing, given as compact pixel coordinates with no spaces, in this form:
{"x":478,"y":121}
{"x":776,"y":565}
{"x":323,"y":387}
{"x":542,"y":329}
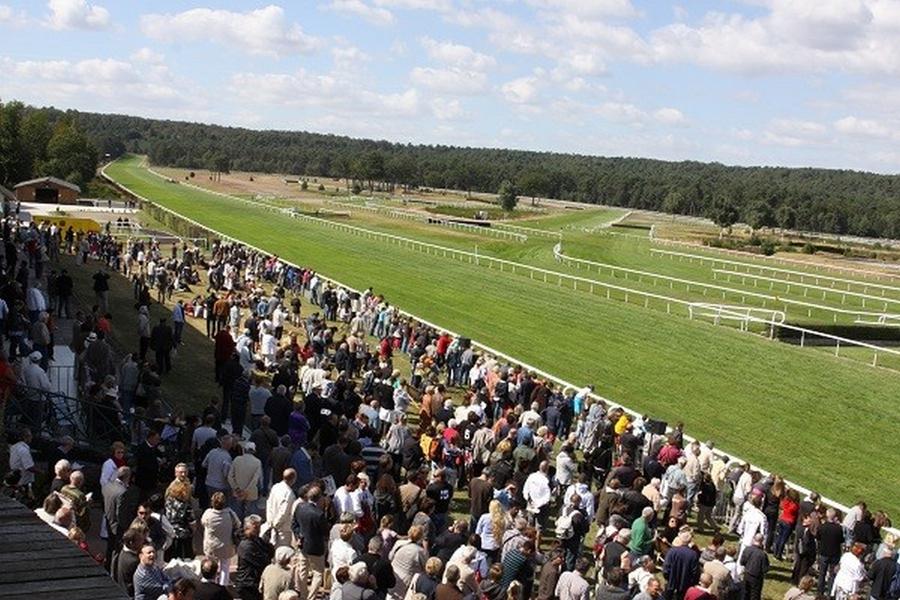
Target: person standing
{"x":207,"y":588}
{"x":178,"y":322}
{"x":310,"y":527}
{"x":64,"y":287}
{"x":830,"y":539}
{"x":180,"y":513}
{"x":101,"y":289}
{"x":850,"y":573}
{"x":278,"y":509}
{"x":243,"y":478}
{"x":253,"y":554}
{"x":681,"y":567}
{"x":149,"y":580}
{"x":162,"y":342}
{"x":755,"y":562}
{"x":143,"y":330}
{"x":276,"y":577}
{"x":882,"y":573}
{"x":120,"y":503}
{"x":220,"y":525}
{"x":20,"y":458}
{"x":148,"y":458}
{"x":572,"y":585}
{"x":217,"y":465}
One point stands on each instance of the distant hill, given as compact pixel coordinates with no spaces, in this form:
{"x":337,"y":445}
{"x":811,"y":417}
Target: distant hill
{"x":834,"y":201}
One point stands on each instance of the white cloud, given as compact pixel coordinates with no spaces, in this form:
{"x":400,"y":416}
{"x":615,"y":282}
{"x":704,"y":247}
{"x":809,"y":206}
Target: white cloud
{"x":450,"y":80}
{"x":103,"y":85}
{"x":622,"y":112}
{"x":373,"y":14}
{"x":14,"y":18}
{"x":523,"y":90}
{"x":588,"y":8}
{"x":76,"y":14}
{"x":264,"y":31}
{"x":855,"y":126}
{"x":334,"y":93}
{"x":436,"y":5}
{"x":794,"y":132}
{"x":147,"y":55}
{"x":446,"y":109}
{"x":457,"y":55}
{"x":809,"y":36}
{"x":669,"y":116}
{"x":349,"y":57}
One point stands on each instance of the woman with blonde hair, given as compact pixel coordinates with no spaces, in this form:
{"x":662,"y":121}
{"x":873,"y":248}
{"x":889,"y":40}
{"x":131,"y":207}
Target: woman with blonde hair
{"x":180,"y":513}
{"x":490,"y":528}
{"x":220,"y":528}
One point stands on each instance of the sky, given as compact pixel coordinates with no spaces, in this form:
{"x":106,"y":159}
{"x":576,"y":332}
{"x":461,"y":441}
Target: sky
{"x":750,"y":82}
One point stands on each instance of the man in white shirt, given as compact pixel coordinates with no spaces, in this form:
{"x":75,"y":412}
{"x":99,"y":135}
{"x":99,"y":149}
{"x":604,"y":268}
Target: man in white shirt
{"x":280,"y":507}
{"x":344,"y":500}
{"x":536,"y":492}
{"x":20,"y":458}
{"x":753,"y":523}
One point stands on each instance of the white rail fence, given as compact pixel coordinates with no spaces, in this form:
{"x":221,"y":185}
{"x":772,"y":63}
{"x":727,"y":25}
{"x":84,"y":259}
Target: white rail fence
{"x":488,"y":350}
{"x":435,"y":219}
{"x":767,"y":300}
{"x":878,"y":275}
{"x":816,"y":277}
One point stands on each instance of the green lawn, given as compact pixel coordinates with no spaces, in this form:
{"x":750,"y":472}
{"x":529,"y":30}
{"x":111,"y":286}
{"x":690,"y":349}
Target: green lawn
{"x":804,"y":414}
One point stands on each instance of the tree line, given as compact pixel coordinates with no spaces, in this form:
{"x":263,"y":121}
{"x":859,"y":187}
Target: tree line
{"x":833,"y":201}
{"x":39,"y":142}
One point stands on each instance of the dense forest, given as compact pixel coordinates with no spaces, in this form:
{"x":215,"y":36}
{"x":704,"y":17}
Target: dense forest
{"x":835,"y":201}
{"x":38,"y":142}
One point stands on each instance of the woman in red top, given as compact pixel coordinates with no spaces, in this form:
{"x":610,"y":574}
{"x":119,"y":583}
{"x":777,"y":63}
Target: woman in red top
{"x":787,"y":520}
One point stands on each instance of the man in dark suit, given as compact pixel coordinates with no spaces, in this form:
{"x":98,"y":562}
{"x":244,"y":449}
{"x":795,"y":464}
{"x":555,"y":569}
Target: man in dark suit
{"x":756,"y":564}
{"x":830,"y":538}
{"x":162,"y":340}
{"x":310,"y":526}
{"x":207,"y":588}
{"x":147,"y":459}
{"x":120,"y":503}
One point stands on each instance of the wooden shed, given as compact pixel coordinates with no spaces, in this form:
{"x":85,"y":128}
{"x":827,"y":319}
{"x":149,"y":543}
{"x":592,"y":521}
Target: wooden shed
{"x":49,"y":190}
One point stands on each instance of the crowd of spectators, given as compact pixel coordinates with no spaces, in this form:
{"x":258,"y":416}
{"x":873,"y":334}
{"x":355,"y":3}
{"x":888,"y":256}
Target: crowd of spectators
{"x":358,"y":453}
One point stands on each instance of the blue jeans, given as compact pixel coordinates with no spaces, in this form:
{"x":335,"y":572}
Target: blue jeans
{"x":826,"y":574}
{"x":782,"y":534}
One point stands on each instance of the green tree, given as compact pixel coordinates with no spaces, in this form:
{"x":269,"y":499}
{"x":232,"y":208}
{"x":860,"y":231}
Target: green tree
{"x":14,"y":163}
{"x":723,"y":211}
{"x":508,"y":195}
{"x":36,"y":132}
{"x":534,"y":183}
{"x":68,"y":152}
{"x":760,"y":215}
{"x":673,"y":203}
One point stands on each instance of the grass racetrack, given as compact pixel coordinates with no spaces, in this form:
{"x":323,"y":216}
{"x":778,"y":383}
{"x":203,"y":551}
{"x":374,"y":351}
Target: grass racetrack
{"x":803,"y":414}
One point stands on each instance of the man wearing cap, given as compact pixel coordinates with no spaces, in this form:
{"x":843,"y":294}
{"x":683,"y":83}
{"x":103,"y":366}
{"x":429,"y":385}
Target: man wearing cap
{"x":244,"y":476}
{"x":33,"y":375}
{"x":276,"y":578}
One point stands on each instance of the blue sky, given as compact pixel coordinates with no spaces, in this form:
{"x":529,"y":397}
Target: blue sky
{"x":776,"y":82}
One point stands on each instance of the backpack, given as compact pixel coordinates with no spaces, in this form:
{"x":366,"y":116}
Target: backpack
{"x":435,"y":450}
{"x":894,"y":589}
{"x":565,"y":528}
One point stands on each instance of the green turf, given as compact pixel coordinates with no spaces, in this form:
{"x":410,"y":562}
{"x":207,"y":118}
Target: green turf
{"x":804,"y":414}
